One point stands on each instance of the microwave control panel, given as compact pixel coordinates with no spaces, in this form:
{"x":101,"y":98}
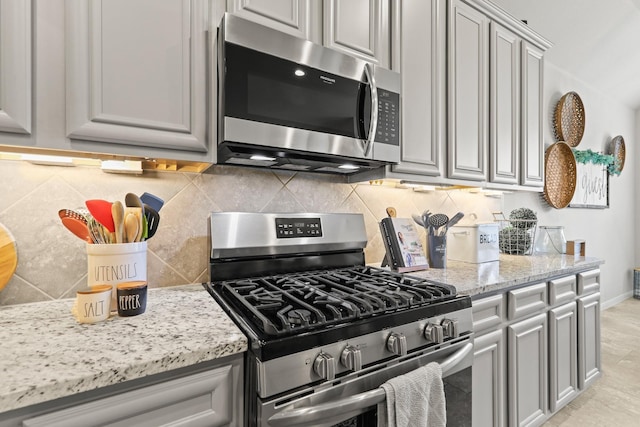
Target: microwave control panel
{"x":388,"y":117}
{"x":298,"y":227}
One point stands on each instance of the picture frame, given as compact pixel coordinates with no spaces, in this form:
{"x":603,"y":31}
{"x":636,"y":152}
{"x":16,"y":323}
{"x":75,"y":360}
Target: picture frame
{"x":592,"y":187}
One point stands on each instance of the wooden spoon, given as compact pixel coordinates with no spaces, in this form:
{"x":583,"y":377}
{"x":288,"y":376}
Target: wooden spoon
{"x":131,"y":227}
{"x":391,"y":211}
{"x":117,"y":212}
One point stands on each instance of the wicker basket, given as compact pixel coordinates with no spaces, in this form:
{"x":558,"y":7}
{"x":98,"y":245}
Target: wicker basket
{"x":516,"y":236}
{"x":569,"y":119}
{"x":617,"y":149}
{"x":560,"y":175}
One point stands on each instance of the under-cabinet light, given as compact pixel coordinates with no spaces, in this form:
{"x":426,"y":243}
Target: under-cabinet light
{"x":43,"y":159}
{"x":262,"y":158}
{"x":349,"y":166}
{"x":122,"y":166}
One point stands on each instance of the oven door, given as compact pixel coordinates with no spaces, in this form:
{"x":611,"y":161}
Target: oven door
{"x":353,"y":400}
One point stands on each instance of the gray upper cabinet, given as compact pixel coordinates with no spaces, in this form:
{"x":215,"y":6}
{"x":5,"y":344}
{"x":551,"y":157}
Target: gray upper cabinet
{"x":136,"y":73}
{"x":504,"y":132}
{"x":357,"y":27}
{"x":15,"y":66}
{"x":420,"y":40}
{"x":289,"y":16}
{"x":532,"y":116}
{"x":468,"y":34}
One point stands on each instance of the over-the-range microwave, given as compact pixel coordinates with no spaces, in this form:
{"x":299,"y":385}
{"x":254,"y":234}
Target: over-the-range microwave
{"x":287,"y":103}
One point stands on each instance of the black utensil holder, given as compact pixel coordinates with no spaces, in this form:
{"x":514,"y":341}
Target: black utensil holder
{"x":437,"y":248}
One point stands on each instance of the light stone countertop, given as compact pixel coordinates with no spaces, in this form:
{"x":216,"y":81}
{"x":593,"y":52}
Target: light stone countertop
{"x":509,"y":271}
{"x":46,"y":354}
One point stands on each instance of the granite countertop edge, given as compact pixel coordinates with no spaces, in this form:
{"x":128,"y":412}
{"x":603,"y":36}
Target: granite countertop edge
{"x":111,"y":352}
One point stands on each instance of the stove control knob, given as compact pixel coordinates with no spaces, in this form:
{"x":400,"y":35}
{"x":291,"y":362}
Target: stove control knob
{"x":325,"y":366}
{"x":450,"y":328}
{"x":397,"y":343}
{"x":433,"y":333}
{"x":351,"y":358}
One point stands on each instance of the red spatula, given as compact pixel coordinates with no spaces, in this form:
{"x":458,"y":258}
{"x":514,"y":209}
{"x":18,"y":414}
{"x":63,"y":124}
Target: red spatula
{"x":101,"y":211}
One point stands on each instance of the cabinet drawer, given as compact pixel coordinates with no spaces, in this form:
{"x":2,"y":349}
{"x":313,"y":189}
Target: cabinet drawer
{"x":562,"y":290}
{"x":528,"y":300}
{"x":487,"y":313}
{"x":588,"y":282}
{"x":205,"y":398}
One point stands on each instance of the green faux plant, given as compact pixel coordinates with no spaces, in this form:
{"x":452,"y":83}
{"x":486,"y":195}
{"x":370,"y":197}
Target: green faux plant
{"x":589,"y":156}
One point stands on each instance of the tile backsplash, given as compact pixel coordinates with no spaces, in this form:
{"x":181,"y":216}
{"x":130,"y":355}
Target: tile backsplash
{"x":52,"y":262}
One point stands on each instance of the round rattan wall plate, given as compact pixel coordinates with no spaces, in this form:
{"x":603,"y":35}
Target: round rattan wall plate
{"x":617,"y":149}
{"x":560,"y":175}
{"x":569,"y":119}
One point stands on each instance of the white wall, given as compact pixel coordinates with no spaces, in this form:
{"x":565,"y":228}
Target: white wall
{"x":610,"y":234}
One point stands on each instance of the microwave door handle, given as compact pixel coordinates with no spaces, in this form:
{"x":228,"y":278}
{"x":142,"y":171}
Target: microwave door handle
{"x":373,"y":124}
{"x":314,"y":414}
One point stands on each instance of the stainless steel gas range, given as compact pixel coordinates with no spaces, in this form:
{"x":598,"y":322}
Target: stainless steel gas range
{"x":325,"y":330}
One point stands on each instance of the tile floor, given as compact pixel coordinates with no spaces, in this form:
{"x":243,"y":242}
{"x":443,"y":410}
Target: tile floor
{"x":614,"y":400}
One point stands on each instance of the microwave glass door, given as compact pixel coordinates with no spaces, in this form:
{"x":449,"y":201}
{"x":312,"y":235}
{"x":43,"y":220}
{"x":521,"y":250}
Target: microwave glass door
{"x":269,"y":89}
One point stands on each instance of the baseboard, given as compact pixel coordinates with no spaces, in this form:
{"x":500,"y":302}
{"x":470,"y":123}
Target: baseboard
{"x":617,"y":300}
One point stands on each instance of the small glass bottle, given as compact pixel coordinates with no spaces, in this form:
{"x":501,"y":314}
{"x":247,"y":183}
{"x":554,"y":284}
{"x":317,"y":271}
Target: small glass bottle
{"x":550,"y":240}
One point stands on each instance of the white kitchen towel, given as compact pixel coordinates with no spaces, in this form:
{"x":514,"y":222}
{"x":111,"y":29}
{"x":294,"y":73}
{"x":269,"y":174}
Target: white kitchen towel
{"x":414,"y":399}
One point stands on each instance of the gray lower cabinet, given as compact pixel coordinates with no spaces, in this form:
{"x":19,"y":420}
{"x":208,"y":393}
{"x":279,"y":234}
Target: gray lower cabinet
{"x":536,"y":348}
{"x":527,"y":371}
{"x":210,"y":394}
{"x":488,"y":379}
{"x":589,"y":363}
{"x":563,"y":355}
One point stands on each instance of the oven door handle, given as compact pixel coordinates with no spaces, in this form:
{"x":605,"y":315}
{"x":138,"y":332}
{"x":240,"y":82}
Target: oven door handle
{"x":311,"y":414}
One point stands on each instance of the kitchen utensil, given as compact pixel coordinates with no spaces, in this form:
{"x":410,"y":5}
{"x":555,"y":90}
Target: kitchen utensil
{"x":98,"y":232}
{"x":417,"y":219}
{"x":454,"y":220}
{"x":391,"y":211}
{"x":101,"y":211}
{"x":152,"y":200}
{"x":8,"y":256}
{"x":76,"y":223}
{"x":131,"y":226}
{"x":133,"y":201}
{"x":425,"y":219}
{"x":153,"y":219}
{"x":117,"y":212}
{"x":436,"y":221}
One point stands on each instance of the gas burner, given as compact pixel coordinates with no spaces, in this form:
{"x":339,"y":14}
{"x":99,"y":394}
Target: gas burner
{"x":299,"y":317}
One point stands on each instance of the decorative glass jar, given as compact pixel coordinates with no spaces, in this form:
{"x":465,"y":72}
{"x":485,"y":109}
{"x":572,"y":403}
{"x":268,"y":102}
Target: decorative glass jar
{"x":550,"y":240}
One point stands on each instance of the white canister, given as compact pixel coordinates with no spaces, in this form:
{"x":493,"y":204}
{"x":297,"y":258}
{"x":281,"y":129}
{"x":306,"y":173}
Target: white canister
{"x":115,"y":263}
{"x":475,"y":243}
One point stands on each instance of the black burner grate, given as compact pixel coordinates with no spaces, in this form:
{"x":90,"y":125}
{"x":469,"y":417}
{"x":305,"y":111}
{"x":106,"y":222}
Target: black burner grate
{"x":299,"y":302}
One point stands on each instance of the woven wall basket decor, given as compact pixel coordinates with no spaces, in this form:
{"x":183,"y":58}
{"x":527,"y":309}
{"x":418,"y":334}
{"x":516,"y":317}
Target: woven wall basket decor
{"x":559,"y":175}
{"x":617,"y":149}
{"x":569,"y":119}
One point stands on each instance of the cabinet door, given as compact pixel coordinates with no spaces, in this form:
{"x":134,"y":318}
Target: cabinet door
{"x":488,"y":380}
{"x":563,"y":355}
{"x":201,"y":399}
{"x":589,"y":364}
{"x":289,"y":16}
{"x":359,"y":28}
{"x":468,"y":91}
{"x":421,"y":62}
{"x":527,"y":371}
{"x":532,"y":116}
{"x":504,"y":132}
{"x":136,"y":73}
{"x":15,"y":66}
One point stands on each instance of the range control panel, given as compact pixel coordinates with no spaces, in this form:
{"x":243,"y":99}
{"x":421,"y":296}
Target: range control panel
{"x":388,"y":117}
{"x":298,"y":227}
